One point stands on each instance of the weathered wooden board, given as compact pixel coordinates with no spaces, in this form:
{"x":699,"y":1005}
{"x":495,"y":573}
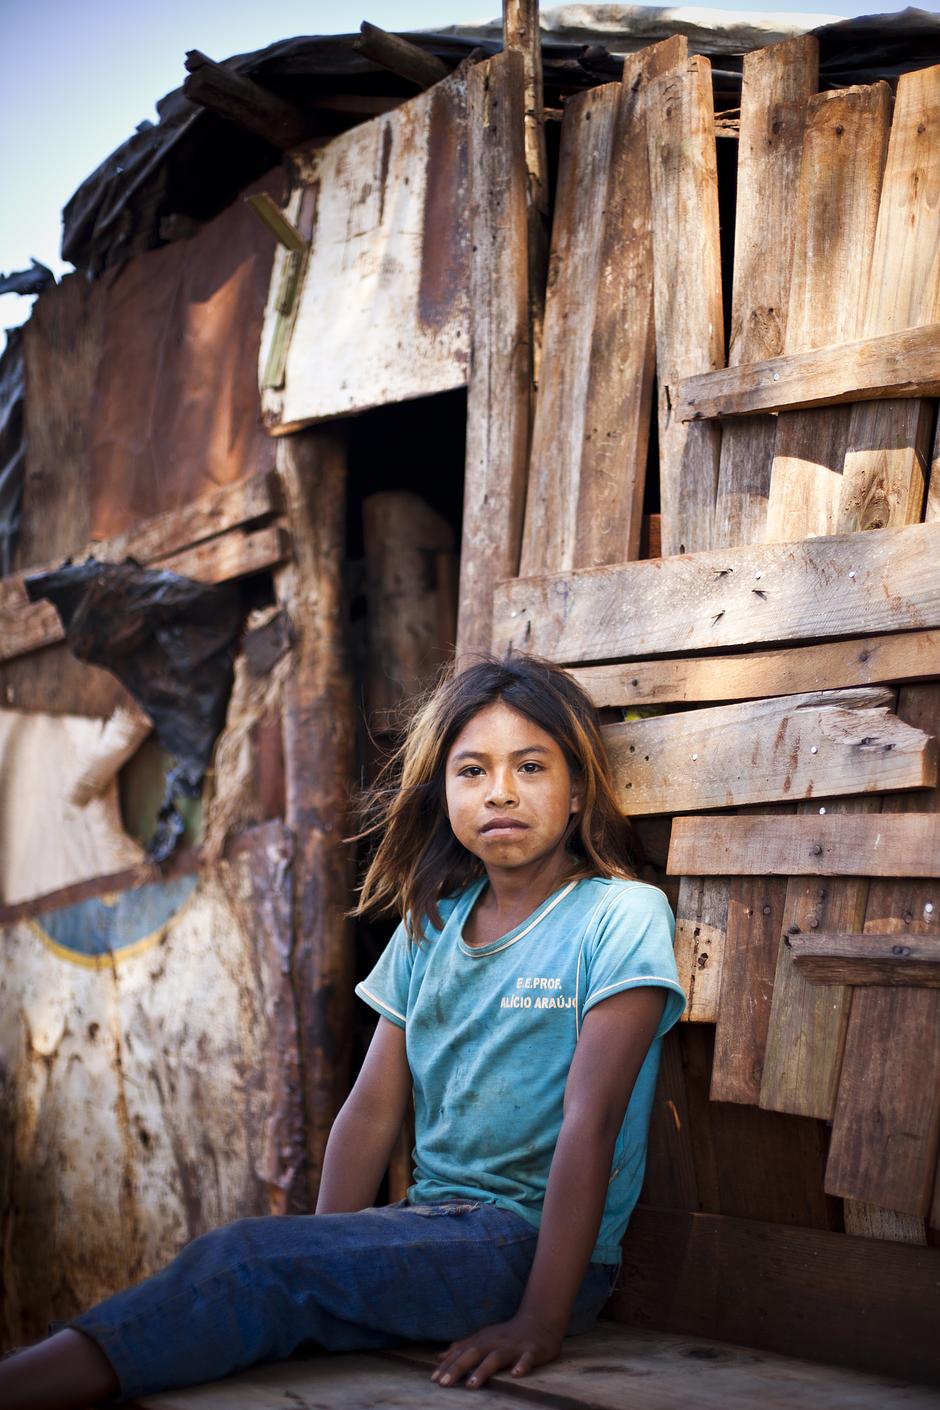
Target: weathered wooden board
{"x":383,"y":312}
{"x":840,"y":182}
{"x":886,"y":1127}
{"x":701,"y":927}
{"x":884,"y":580}
{"x":592,"y":416}
{"x":905,"y":364}
{"x":615,"y":1367}
{"x":830,"y":957}
{"x":885,"y":469}
{"x":500,"y":385}
{"x":777,"y":83}
{"x":828,"y":844}
{"x":806,"y":1032}
{"x":752,"y":676}
{"x":755,"y":919}
{"x":573,"y":286}
{"x":342,"y":1382}
{"x":783,"y":749}
{"x":687,"y":281}
{"x":803,"y":1292}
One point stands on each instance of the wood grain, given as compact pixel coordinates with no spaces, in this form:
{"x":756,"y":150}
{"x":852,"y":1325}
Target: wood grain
{"x":806,"y":1032}
{"x":573,"y":283}
{"x":905,"y":364}
{"x":762,"y":751}
{"x":885,"y":467}
{"x":687,"y":283}
{"x":618,"y":403}
{"x":712,"y":679}
{"x":840,"y":180}
{"x":833,"y":957}
{"x":812,"y":844}
{"x":701,"y":927}
{"x":855,"y":1302}
{"x":777,"y":83}
{"x":843,"y":585}
{"x":500,"y":383}
{"x":886,"y":1128}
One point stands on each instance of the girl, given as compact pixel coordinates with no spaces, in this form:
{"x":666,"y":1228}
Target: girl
{"x":522,"y":1000}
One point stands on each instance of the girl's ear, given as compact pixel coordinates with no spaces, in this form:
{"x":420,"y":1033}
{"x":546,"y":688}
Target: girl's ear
{"x":577,"y":798}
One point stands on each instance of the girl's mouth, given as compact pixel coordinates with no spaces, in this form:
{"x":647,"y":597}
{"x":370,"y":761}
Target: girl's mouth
{"x":502,"y":827}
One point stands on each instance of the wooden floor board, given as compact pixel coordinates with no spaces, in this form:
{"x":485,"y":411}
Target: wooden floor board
{"x":611,"y":1368}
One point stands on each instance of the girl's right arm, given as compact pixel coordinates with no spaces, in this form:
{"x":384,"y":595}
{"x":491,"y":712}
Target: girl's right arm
{"x":366,"y":1129}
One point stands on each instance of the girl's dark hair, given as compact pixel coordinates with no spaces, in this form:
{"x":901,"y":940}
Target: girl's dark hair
{"x":418,"y":860}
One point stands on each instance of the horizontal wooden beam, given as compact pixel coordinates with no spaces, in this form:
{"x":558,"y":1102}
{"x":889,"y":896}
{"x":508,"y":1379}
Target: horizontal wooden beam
{"x":825,"y":745}
{"x":863,"y":1303}
{"x":824,"y":844}
{"x":905,"y":364}
{"x":242,"y":101}
{"x":26,"y":626}
{"x":894,"y":960}
{"x":873,"y":660}
{"x":885,"y":580}
{"x":399,"y":55}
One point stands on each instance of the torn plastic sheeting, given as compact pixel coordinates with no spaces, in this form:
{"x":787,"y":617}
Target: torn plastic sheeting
{"x":170,"y":642}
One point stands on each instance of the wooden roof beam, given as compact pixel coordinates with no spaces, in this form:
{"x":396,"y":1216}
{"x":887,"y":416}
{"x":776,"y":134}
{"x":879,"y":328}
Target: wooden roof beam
{"x":399,"y":55}
{"x":240,"y":100}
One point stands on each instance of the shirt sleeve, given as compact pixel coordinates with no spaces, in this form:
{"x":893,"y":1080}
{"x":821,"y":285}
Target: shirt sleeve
{"x":632,"y":945}
{"x":386,"y":988}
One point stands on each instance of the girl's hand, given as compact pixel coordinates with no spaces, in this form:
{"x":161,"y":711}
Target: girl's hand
{"x":521,"y":1343}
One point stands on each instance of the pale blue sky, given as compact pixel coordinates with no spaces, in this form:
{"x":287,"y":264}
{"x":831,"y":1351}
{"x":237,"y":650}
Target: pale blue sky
{"x":77,"y":76}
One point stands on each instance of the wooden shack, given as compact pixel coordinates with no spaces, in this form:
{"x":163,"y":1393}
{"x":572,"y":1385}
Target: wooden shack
{"x":628,"y":356}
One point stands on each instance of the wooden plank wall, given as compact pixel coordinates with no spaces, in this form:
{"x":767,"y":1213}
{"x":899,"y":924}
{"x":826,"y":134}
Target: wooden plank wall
{"x":783,"y":655}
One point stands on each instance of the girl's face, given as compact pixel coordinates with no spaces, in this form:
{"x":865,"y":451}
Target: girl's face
{"x":509,"y":790}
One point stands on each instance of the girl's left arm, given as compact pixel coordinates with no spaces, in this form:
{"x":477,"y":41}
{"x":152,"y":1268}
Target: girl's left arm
{"x":615,"y":1038}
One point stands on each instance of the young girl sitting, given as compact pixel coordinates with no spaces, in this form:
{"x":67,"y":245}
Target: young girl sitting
{"x":522,"y":1000}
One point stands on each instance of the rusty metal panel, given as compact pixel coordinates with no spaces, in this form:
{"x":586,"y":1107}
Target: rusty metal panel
{"x":174,"y":410}
{"x":382,"y":313}
{"x":150,"y":1085}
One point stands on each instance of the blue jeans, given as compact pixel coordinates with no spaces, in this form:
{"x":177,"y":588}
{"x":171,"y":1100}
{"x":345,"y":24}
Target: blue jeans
{"x":262,"y":1289}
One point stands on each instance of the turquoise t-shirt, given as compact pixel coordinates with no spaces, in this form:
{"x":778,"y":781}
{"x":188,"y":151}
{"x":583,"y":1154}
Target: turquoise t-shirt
{"x":491,"y":1031}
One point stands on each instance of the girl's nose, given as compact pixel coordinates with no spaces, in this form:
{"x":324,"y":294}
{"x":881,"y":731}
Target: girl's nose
{"x":501,"y":792}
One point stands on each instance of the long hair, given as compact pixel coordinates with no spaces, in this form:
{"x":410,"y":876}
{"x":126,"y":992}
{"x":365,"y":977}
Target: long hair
{"x":418,"y":860}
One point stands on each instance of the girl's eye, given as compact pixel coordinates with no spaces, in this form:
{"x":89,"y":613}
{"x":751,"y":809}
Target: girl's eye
{"x":531,"y":767}
{"x":471,"y":771}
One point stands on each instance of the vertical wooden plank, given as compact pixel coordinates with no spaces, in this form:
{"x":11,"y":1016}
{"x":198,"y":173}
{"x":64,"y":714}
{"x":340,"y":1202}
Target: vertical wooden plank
{"x":840,"y":184}
{"x":590,"y":438}
{"x":843,"y":152}
{"x":574,"y":268}
{"x":499,"y":390}
{"x":618,"y":406}
{"x":687,"y":291}
{"x":886,"y":1129}
{"x":701,"y":928}
{"x":755,"y":919}
{"x":777,"y":84}
{"x":521,"y":35}
{"x":808,"y":1021}
{"x":319,"y":754}
{"x":885,"y":468}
